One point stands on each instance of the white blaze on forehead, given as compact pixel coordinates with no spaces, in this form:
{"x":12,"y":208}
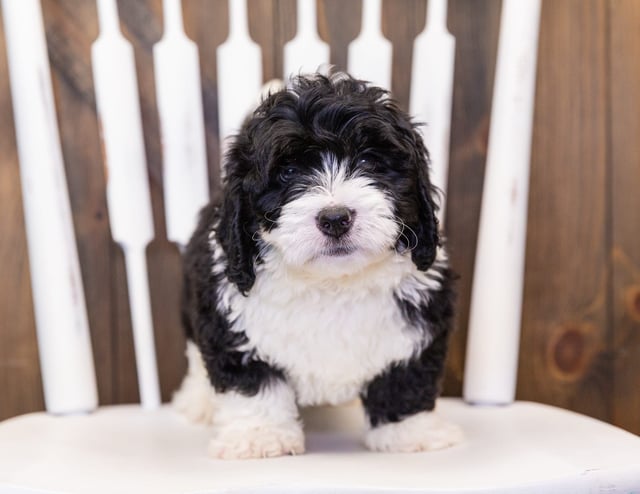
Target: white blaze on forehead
{"x":332,"y":175}
{"x":373,"y":233}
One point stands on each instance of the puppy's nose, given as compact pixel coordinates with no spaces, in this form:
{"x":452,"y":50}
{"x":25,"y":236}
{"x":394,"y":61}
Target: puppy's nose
{"x":334,"y":221}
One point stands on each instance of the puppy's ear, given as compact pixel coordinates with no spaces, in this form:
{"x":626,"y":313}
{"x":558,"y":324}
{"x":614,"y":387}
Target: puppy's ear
{"x":235,"y":232}
{"x":426,"y":229}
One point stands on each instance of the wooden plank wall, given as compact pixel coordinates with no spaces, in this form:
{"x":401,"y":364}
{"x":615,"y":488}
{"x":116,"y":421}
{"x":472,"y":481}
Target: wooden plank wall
{"x":581,"y":323}
{"x":565,"y":349}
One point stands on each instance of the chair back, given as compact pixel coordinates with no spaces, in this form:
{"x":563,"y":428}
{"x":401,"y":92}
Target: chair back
{"x":189,"y":147}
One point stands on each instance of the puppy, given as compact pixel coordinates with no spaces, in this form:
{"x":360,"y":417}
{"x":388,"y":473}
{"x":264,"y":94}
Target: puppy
{"x":319,"y":277}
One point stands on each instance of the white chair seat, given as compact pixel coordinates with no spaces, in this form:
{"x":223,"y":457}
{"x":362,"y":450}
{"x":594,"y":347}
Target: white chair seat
{"x":524,"y":447}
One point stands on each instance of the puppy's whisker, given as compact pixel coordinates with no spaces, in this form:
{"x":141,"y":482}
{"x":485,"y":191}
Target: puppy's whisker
{"x":401,"y":234}
{"x":406,"y":240}
{"x":266,"y":217}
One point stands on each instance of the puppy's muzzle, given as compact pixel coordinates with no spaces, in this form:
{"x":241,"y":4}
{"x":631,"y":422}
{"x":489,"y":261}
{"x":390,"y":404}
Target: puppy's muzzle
{"x":335,"y":221}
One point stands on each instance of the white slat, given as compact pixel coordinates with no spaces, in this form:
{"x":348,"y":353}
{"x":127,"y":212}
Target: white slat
{"x":66,"y":358}
{"x":128,"y":198}
{"x":179,"y":96}
{"x":306,"y":52}
{"x":370,"y":54}
{"x":496,"y":302}
{"x":432,"y":91}
{"x":239,"y":74}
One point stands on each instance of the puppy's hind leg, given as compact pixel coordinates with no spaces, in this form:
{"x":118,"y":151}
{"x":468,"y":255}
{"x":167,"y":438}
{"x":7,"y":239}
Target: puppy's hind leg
{"x":195,"y":398}
{"x":259,"y":426}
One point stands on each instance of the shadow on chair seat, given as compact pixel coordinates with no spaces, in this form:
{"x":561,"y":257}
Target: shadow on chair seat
{"x":524,"y":447}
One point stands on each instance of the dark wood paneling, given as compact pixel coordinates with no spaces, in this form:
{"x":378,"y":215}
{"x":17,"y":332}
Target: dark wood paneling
{"x":624,"y":76}
{"x":263,"y":30}
{"x":564,"y":356}
{"x":475,"y":26}
{"x":339,"y":24}
{"x":286,"y":27}
{"x":402,"y":21}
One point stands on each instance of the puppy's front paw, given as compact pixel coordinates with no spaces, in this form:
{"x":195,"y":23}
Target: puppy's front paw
{"x":423,"y":431}
{"x":257,"y":442}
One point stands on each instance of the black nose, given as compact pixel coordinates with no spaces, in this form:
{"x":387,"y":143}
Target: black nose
{"x":334,"y":221}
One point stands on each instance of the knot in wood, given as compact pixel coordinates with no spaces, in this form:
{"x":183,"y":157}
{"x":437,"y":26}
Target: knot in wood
{"x":569,"y":352}
{"x":632,"y":299}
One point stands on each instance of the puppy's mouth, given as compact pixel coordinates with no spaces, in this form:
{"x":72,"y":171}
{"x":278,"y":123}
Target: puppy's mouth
{"x":337,"y":251}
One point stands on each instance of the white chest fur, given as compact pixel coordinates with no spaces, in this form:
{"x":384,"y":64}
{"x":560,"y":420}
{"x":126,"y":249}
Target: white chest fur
{"x":330,"y":336}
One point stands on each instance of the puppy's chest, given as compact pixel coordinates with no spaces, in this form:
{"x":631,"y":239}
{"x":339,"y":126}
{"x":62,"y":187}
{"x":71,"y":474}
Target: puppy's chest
{"x":330,"y":341}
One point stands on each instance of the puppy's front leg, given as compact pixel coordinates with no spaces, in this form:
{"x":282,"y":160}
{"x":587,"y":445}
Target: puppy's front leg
{"x":399,"y":404}
{"x":263,"y":425}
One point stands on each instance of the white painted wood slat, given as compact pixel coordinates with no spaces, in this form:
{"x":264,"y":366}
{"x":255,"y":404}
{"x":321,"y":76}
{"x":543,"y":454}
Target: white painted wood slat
{"x":432,"y":91}
{"x":179,"y":97}
{"x":370,"y":54}
{"x":128,"y":197}
{"x":239,"y":74}
{"x":306,"y":52}
{"x":62,"y":326}
{"x":496,"y":301}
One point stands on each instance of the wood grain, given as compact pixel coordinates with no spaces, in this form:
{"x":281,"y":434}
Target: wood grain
{"x":624,"y":100}
{"x":286,"y":29}
{"x":475,"y":26}
{"x":402,"y":21}
{"x":339,"y":24}
{"x":262,"y":31}
{"x":564,"y":357}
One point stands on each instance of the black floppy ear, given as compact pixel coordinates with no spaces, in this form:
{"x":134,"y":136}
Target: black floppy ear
{"x":235,"y":233}
{"x":426,"y":229}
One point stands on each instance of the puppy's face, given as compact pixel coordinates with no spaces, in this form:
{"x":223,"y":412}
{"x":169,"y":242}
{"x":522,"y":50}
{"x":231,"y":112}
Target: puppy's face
{"x":333,"y":176}
{"x":335,"y":211}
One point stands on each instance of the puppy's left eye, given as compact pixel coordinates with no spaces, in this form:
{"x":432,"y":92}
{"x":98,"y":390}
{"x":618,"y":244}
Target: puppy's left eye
{"x":288,"y":173}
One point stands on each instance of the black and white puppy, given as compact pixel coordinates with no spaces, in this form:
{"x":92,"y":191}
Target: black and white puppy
{"x":319,"y":277}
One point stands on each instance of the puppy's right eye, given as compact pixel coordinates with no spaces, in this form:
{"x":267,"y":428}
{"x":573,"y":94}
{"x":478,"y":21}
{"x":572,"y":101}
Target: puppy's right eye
{"x":288,"y":173}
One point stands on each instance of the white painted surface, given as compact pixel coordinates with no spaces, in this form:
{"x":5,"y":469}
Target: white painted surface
{"x":496,"y":301}
{"x":143,"y":341}
{"x":522,"y":448}
{"x":128,"y":198}
{"x":66,"y":358}
{"x":370,"y":54}
{"x":432,"y":91}
{"x":306,"y":52}
{"x":179,"y":97}
{"x":239,"y":74}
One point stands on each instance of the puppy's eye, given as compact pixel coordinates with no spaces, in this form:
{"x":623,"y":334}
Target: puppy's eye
{"x":288,"y":173}
{"x":366,"y":163}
